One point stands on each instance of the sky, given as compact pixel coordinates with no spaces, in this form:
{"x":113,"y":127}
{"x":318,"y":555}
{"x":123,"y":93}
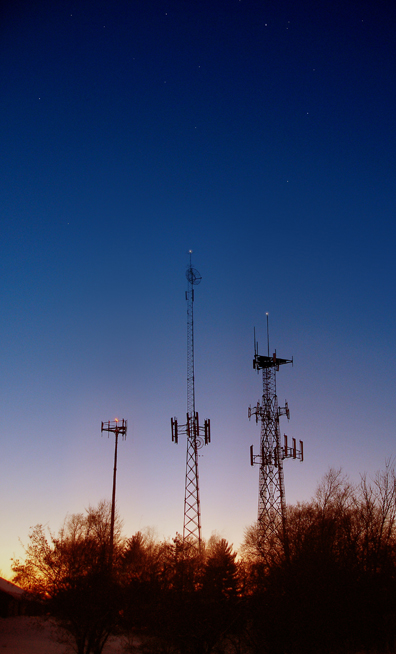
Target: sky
{"x":261,"y":136}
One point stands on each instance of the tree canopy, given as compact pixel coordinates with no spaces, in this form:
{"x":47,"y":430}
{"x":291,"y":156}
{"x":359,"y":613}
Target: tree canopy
{"x":70,"y":573}
{"x":334,"y":592}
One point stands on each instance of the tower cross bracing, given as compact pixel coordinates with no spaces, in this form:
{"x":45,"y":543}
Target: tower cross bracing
{"x":197,"y":436}
{"x":271,"y":517}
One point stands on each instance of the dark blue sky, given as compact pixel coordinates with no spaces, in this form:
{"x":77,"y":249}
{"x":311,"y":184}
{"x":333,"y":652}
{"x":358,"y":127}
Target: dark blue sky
{"x":260,"y":135}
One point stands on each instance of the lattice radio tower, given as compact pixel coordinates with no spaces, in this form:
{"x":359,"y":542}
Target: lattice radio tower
{"x":197,"y":435}
{"x":271,"y":519}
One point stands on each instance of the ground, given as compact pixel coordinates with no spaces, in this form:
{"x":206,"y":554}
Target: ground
{"x":25,"y":635}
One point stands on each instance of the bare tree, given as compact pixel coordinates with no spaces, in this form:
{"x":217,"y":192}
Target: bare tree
{"x":70,"y":573}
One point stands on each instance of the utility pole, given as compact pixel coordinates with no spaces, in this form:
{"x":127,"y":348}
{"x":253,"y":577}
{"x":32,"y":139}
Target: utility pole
{"x":197,"y":435}
{"x":116,"y":427}
{"x":271,"y":500}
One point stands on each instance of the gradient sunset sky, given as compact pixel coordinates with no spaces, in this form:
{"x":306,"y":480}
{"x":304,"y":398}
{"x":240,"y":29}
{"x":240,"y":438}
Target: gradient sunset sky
{"x":262,"y":136}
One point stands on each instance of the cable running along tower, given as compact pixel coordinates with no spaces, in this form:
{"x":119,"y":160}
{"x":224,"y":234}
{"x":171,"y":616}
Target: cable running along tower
{"x":197,"y":436}
{"x":271,"y":518}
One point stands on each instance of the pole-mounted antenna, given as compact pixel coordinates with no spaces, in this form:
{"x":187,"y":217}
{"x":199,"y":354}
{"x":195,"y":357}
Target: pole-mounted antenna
{"x":267,"y":334}
{"x":116,"y":427}
{"x":193,"y":278}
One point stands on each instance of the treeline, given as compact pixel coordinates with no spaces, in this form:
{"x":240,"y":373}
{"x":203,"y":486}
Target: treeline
{"x":333,"y":591}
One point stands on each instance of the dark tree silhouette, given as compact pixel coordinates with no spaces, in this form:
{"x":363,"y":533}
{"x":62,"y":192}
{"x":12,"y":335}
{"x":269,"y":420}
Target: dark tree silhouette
{"x":71,"y":575}
{"x":181,"y":600}
{"x":334,"y":593}
{"x":337,"y":592}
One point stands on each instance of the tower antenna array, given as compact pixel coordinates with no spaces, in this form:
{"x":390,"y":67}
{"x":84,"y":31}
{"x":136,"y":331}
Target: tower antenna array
{"x":197,"y":436}
{"x":271,"y":518}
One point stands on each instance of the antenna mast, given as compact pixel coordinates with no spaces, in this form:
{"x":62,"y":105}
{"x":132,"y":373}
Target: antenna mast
{"x":116,"y":428}
{"x":197,"y":436}
{"x":271,"y":518}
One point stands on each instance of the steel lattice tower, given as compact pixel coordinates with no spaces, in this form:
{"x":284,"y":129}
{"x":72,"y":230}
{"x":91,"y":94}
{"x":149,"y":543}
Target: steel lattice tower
{"x":196,"y":436}
{"x":271,"y":518}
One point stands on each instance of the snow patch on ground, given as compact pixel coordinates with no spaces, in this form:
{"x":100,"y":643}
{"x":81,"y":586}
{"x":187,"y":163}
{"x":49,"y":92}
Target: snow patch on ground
{"x":27,"y":635}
